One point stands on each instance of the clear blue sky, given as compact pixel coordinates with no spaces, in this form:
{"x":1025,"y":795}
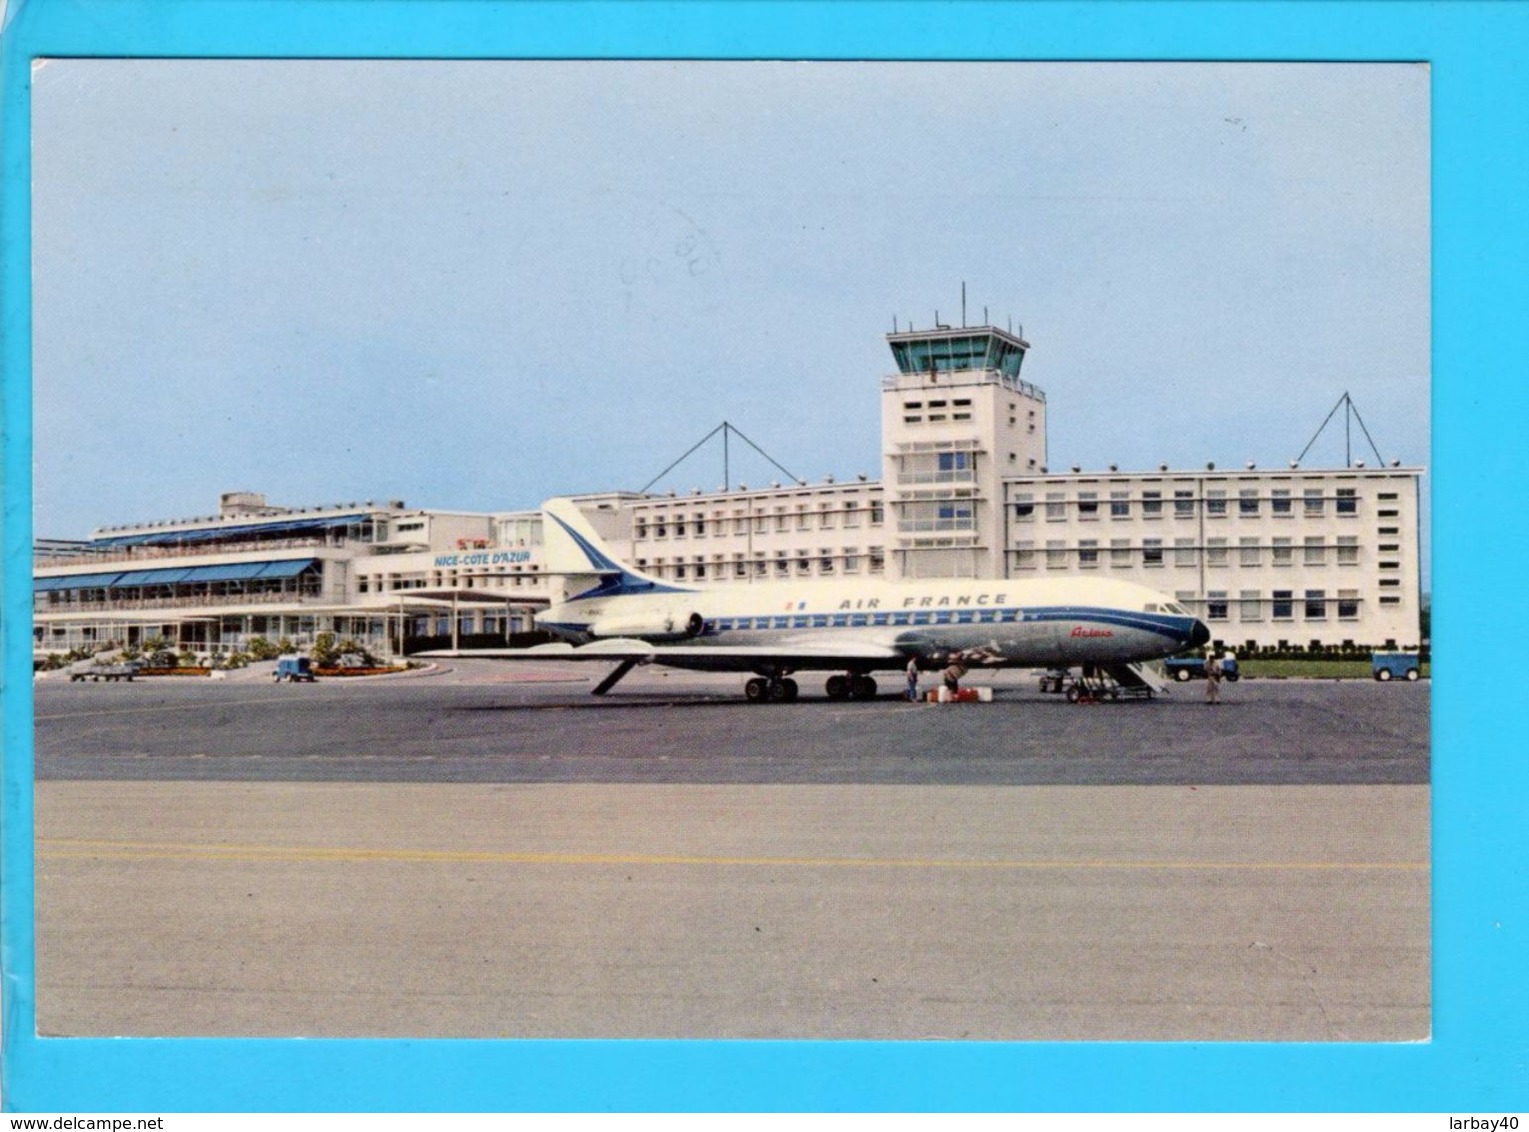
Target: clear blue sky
{"x":476,"y":285}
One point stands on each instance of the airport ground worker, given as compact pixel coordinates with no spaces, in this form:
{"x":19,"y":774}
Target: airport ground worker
{"x":953,"y":676}
{"x":913,"y":679}
{"x":1212,"y":679}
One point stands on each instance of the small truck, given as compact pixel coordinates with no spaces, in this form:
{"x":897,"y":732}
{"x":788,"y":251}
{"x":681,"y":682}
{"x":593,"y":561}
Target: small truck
{"x":293,"y":669}
{"x":1390,"y":665}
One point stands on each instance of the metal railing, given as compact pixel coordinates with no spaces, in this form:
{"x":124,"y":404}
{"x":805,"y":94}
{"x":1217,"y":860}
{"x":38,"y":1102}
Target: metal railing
{"x":194,"y":601}
{"x":186,"y":550}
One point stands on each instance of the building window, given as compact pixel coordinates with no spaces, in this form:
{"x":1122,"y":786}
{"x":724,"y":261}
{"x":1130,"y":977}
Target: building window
{"x":802,"y":521}
{"x":852,"y":514}
{"x":1120,"y":505}
{"x":1249,"y":551}
{"x":1313,"y":501}
{"x":1283,"y":552}
{"x":1152,"y":552}
{"x":1348,"y":550}
{"x":1088,"y":554}
{"x":1347,"y":502}
{"x":1152,"y":504}
{"x":851,"y":561}
{"x":1316,"y":605}
{"x":642,"y":528}
{"x":1184,"y":504}
{"x":1088,"y":505}
{"x":1282,"y":608}
{"x":1056,"y":509}
{"x":1024,"y":556}
{"x":876,"y":559}
{"x":1183,"y":552}
{"x":827,"y":519}
{"x":1279,"y":502}
{"x":1316,"y":551}
{"x":1215,"y":552}
{"x":825,"y":561}
{"x":1120,"y":552}
{"x":876,"y":514}
{"x":1249,"y":607}
{"x":1056,"y":555}
{"x":1247,"y":502}
{"x":1215,"y":503}
{"x":1348,"y":605}
{"x":1024,"y":508}
{"x":1215,"y":605}
{"x":1390,"y":600}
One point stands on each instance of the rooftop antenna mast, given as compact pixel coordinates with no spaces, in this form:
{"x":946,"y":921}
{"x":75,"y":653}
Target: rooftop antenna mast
{"x":1350,"y":414}
{"x":727,"y":430}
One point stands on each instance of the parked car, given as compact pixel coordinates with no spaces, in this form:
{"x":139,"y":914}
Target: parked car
{"x":292,"y":669}
{"x":1182,"y":668}
{"x":104,"y":670}
{"x":1390,"y":665}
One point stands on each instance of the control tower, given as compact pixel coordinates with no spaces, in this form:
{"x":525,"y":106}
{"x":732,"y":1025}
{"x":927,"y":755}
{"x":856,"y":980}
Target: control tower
{"x":956,"y":418}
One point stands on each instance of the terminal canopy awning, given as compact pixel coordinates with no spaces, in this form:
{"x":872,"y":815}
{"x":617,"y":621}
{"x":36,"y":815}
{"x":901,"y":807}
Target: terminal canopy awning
{"x":279,"y":529}
{"x":76,"y":582}
{"x":176,"y":575}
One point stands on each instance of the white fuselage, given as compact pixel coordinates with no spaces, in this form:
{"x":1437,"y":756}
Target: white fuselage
{"x":1003,"y":622}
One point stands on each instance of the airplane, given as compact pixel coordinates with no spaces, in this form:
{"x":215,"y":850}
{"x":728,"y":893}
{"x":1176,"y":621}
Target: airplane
{"x":612,"y":612}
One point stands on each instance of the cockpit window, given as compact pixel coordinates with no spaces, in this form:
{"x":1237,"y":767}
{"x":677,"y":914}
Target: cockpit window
{"x":1151,"y":607}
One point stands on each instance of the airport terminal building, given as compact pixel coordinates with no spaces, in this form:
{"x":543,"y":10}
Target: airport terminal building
{"x":1266,"y":557}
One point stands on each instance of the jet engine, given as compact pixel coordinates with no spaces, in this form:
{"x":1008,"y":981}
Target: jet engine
{"x":677,"y":625}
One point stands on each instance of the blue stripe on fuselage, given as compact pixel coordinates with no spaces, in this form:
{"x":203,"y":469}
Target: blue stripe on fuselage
{"x":1171,"y":626}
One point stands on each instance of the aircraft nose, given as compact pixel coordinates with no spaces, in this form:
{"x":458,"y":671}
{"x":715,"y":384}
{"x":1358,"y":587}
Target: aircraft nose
{"x":1200,"y":634}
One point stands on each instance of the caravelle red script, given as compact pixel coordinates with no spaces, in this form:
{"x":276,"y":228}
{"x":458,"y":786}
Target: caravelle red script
{"x":1080,"y":631}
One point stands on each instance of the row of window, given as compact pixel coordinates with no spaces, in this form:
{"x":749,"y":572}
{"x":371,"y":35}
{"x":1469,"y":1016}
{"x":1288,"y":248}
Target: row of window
{"x":827,"y":517}
{"x":1185,"y":504}
{"x":1216,"y":552}
{"x":803,"y":563}
{"x":1253,"y":608}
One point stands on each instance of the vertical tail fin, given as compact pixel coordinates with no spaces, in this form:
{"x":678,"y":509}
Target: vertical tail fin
{"x":588,"y":567}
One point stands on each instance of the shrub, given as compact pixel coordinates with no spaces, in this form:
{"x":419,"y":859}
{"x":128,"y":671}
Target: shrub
{"x":258,"y":648}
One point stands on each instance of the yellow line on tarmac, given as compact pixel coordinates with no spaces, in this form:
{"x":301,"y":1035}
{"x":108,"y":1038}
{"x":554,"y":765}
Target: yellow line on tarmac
{"x":59,"y":849}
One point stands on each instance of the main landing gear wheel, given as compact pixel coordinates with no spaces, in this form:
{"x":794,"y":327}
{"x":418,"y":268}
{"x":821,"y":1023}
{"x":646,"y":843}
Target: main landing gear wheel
{"x":760,"y":690}
{"x":1182,"y":675}
{"x":850,"y":687}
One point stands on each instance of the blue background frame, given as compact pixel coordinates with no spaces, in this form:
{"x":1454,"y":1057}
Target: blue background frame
{"x":1476,"y":1062}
